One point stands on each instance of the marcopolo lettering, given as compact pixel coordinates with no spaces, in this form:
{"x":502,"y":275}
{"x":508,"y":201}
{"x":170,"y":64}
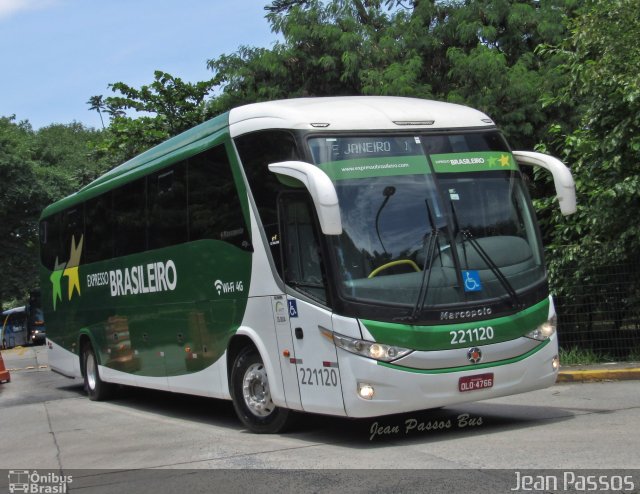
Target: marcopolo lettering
{"x":465,"y":314}
{"x":150,"y":278}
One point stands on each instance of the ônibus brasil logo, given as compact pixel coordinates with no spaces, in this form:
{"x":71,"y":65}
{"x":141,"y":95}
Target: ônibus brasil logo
{"x":38,"y":483}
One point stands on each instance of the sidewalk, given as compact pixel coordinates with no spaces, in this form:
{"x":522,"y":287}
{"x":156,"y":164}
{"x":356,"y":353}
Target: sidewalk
{"x":599,"y":372}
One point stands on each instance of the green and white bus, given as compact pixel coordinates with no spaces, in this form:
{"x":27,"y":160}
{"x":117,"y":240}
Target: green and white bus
{"x":352,"y":256}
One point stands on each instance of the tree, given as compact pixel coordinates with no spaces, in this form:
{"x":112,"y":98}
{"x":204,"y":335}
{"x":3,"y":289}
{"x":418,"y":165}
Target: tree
{"x":602,"y":66}
{"x":476,"y":52}
{"x":70,"y":150}
{"x":19,"y":202}
{"x":36,"y":169}
{"x":97,"y":103}
{"x":161,"y":109}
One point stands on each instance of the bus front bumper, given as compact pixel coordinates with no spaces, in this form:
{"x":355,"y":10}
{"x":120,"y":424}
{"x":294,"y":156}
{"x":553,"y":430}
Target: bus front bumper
{"x":396,"y":390}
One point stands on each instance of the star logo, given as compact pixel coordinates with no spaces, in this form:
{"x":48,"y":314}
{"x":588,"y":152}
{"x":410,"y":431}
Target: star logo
{"x":70,"y":269}
{"x":56,"y":278}
{"x":504,"y":160}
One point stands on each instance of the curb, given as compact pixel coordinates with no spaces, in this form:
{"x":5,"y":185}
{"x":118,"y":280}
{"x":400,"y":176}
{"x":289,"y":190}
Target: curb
{"x":569,"y":376}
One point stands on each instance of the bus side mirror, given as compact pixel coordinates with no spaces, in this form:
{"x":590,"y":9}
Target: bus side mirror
{"x":323,"y":193}
{"x":562,"y":178}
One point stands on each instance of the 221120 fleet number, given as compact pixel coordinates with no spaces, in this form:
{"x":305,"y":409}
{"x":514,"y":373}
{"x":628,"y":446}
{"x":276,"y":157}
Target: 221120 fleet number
{"x":318,"y":377}
{"x":471,"y":335}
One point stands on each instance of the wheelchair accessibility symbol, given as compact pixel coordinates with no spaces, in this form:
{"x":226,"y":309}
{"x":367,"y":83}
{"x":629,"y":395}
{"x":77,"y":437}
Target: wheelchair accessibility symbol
{"x":293,"y":308}
{"x":472,"y":281}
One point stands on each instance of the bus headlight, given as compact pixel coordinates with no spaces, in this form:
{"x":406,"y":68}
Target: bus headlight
{"x":545,"y":331}
{"x":369,"y":349}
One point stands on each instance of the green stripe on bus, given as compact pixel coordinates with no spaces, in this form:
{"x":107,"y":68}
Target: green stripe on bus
{"x":459,"y":335}
{"x":467,"y":367}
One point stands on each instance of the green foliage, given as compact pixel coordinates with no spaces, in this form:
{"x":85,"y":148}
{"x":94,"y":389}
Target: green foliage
{"x":71,"y":151}
{"x":478,"y":52}
{"x":634,"y":354}
{"x":579,"y":356}
{"x":36,"y":168}
{"x":604,"y":148}
{"x":601,"y":63}
{"x":494,"y":65}
{"x":19,"y":200}
{"x":161,"y":110}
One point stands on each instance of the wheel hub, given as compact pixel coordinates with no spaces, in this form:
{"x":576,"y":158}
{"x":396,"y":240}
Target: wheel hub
{"x":255,"y":388}
{"x":91,"y":371}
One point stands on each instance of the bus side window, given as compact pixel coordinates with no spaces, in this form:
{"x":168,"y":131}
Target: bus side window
{"x":303,"y":266}
{"x":129,"y":218}
{"x":167,"y":204}
{"x":72,"y":229}
{"x":50,"y":245}
{"x":98,"y":242}
{"x":256,"y":151}
{"x":214,"y":205}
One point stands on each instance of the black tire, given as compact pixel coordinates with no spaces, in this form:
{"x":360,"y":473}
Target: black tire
{"x":96,"y":388}
{"x":251,"y":396}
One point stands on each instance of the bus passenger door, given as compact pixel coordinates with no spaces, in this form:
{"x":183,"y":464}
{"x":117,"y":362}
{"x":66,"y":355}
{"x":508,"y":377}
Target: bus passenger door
{"x":315,"y":355}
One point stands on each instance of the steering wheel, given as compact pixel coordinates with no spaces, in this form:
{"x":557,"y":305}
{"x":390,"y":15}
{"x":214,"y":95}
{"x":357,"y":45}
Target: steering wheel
{"x":393,"y":263}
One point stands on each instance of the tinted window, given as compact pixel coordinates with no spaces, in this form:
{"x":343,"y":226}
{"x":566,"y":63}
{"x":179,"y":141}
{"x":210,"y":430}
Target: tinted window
{"x":98,"y":241}
{"x":303,"y":264}
{"x":167,"y":205}
{"x":129,"y":218}
{"x":50,"y":243}
{"x":191,"y":200}
{"x":256,"y":151}
{"x":72,"y":227}
{"x":214,"y":206}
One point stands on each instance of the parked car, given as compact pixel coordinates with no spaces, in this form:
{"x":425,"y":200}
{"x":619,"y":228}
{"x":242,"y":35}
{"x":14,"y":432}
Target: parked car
{"x":5,"y":377}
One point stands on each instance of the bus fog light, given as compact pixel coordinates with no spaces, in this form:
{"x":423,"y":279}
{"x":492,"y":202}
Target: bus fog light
{"x":555,"y":363}
{"x":365,"y":391}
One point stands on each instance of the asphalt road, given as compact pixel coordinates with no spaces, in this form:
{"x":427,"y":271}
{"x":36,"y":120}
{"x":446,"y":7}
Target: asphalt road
{"x":47,"y":422}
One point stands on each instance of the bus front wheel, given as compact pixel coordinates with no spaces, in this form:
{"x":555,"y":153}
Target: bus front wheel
{"x":96,"y":388}
{"x":251,"y":395}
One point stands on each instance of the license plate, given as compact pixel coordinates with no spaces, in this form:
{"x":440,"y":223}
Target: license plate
{"x":472,"y":383}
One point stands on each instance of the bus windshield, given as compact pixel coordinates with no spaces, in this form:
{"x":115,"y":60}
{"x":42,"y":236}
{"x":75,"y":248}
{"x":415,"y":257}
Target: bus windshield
{"x":430,"y":220}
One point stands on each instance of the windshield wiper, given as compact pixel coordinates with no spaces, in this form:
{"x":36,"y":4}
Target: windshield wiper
{"x":428,"y":261}
{"x":515,"y":300}
{"x":387,"y":193}
{"x":424,"y":286}
{"x":469,"y":237}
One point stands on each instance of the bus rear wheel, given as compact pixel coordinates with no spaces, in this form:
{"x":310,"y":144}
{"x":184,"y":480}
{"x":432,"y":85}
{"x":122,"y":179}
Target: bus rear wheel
{"x":252,"y":397}
{"x":96,"y":388}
